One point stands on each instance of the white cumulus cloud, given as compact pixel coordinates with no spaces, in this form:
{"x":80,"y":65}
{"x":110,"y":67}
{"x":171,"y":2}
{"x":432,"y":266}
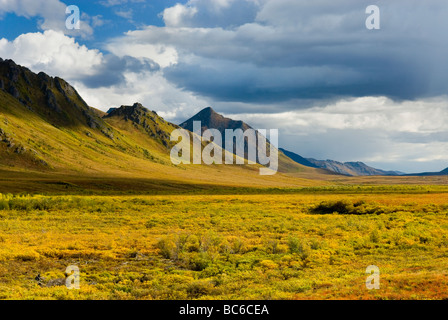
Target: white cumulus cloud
{"x":52,"y":13}
{"x":52,"y":52}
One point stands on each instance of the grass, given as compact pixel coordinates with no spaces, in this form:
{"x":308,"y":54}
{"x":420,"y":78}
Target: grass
{"x":151,"y":230}
{"x":294,"y":245}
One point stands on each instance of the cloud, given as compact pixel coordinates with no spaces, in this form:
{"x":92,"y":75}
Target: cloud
{"x":211,"y":13}
{"x":60,"y":55}
{"x":284,"y":50}
{"x":333,"y":88}
{"x":163,"y":55}
{"x":376,"y":130}
{"x":149,"y":88}
{"x":98,"y":21}
{"x":52,"y":13}
{"x":176,"y":16}
{"x":103,"y":80}
{"x":127,"y":14}
{"x":52,"y":52}
{"x":113,"y":70}
{"x":111,"y":3}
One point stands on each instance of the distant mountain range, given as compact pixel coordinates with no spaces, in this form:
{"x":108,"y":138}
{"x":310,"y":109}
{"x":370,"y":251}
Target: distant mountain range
{"x":347,"y":168}
{"x":211,"y":119}
{"x":353,"y":168}
{"x":441,"y":173}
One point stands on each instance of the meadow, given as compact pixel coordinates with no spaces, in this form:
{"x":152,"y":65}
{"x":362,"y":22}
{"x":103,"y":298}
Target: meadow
{"x":311,"y":243}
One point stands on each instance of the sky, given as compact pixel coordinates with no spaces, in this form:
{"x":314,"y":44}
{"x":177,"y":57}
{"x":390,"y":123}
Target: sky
{"x":312,"y":69}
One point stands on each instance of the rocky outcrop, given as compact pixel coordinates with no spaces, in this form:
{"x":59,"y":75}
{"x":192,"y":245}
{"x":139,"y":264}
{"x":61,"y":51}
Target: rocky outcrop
{"x":45,"y":80}
{"x":13,"y":71}
{"x":14,"y":92}
{"x":6,"y":139}
{"x":144,"y":119}
{"x":51,"y":100}
{"x":65,"y":89}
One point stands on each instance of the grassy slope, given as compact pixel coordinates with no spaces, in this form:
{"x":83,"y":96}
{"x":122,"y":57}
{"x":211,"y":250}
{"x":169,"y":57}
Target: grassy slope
{"x":70,"y":152}
{"x":63,"y":150}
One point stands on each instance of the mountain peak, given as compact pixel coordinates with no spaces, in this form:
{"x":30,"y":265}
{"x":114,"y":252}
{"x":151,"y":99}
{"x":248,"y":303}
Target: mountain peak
{"x":208,"y":110}
{"x":148,"y":121}
{"x":210,"y":119}
{"x":137,"y":109}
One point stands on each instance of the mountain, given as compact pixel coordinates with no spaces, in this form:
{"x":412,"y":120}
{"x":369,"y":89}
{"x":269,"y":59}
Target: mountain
{"x":347,"y":168}
{"x":351,"y":168}
{"x":34,"y":106}
{"x":144,"y":120}
{"x":210,"y":119}
{"x":297,"y":158}
{"x":50,"y":135}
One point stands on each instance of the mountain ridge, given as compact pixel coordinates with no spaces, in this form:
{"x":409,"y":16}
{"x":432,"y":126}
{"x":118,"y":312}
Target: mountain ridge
{"x":210,"y":119}
{"x":353,"y":168}
{"x":49,"y":132}
{"x":46,"y":125}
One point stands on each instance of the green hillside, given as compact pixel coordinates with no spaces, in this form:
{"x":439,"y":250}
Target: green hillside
{"x":46,"y":127}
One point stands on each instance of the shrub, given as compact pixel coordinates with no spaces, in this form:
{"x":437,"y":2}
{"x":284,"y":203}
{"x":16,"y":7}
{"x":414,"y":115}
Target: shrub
{"x":374,"y":236}
{"x":200,"y":288}
{"x":268,"y":264}
{"x":150,"y":224}
{"x":199,"y":262}
{"x":167,"y":248}
{"x":299,"y":247}
{"x":192,"y":244}
{"x":294,"y":245}
{"x":346,"y":207}
{"x":237,"y":246}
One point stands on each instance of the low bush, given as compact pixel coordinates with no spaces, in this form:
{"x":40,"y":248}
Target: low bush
{"x":346,"y":207}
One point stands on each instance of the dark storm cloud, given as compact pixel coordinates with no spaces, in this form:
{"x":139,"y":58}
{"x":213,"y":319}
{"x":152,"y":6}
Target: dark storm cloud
{"x":111,"y":72}
{"x":307,"y":50}
{"x":245,"y":82}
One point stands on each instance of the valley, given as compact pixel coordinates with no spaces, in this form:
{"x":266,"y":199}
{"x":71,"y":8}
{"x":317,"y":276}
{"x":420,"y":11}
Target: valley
{"x":98,"y":190}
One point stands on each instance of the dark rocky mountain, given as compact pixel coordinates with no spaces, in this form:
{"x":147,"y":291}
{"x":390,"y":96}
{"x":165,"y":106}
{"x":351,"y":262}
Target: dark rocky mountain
{"x":53,"y":99}
{"x":45,"y":124}
{"x":147,"y":121}
{"x":210,"y":119}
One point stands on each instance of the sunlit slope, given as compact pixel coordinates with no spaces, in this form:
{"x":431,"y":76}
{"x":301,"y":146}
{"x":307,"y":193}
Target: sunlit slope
{"x":81,"y":150}
{"x":151,"y":132}
{"x":46,"y":127}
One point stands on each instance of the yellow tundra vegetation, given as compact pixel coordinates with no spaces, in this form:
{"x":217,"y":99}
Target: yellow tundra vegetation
{"x":311,"y":243}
